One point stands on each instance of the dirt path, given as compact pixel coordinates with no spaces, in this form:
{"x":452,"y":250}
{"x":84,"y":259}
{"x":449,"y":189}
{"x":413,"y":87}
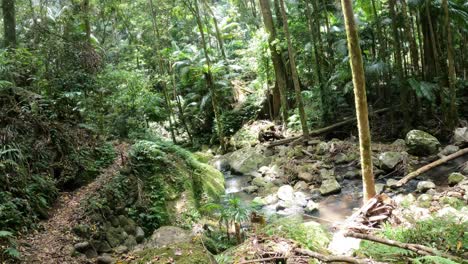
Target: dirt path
{"x":54,"y":242}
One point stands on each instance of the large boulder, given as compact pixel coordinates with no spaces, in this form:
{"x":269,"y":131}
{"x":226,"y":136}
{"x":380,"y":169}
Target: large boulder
{"x":460,"y":136}
{"x":388,"y":160}
{"x":167,"y":235}
{"x":330,"y":186}
{"x":248,"y":135}
{"x":247,"y":159}
{"x":420,"y":143}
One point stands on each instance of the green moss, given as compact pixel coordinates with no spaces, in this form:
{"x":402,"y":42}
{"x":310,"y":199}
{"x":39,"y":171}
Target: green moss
{"x":181,"y":253}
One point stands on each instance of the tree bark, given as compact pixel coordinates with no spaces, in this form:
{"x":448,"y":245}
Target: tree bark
{"x":280,"y":69}
{"x":411,"y":40}
{"x":451,"y":118}
{"x":292,"y":61}
{"x":360,"y":98}
{"x":219,"y":36}
{"x":9,"y":23}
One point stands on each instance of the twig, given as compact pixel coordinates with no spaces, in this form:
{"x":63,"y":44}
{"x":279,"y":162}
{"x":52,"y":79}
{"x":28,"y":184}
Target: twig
{"x":430,"y":166}
{"x":261,"y":260}
{"x":325,"y":258}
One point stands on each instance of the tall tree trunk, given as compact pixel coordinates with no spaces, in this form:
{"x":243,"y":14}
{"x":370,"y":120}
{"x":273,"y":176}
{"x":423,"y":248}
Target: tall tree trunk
{"x":452,"y":111}
{"x":9,"y":23}
{"x":179,"y":105}
{"x":280,"y":69}
{"x":411,"y":40}
{"x":399,"y":66}
{"x":87,"y":24}
{"x":209,"y":76}
{"x":360,"y":97}
{"x":292,"y":61}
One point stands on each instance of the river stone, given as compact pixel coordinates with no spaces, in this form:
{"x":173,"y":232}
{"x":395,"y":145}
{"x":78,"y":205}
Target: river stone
{"x":379,"y":187}
{"x":286,"y":193}
{"x":247,"y":159}
{"x":250,"y":189}
{"x":301,"y":186}
{"x":450,"y":149}
{"x":105,"y":259}
{"x":167,"y":235}
{"x":300,"y":199}
{"x":322,"y":148}
{"x":139,"y":234}
{"x":115,"y":236}
{"x":271,"y":199}
{"x":420,"y":143}
{"x":128,"y":224}
{"x":82,"y":247}
{"x":399,"y":143}
{"x":221,"y":164}
{"x":327,"y":174}
{"x":130,"y":242}
{"x":353,"y":174}
{"x":424,"y":186}
{"x":388,"y":160}
{"x":311,"y":207}
{"x":121,"y":249}
{"x":424,"y":200}
{"x":455,"y":178}
{"x":101,"y":246}
{"x":460,"y":136}
{"x":305,"y":176}
{"x":82,"y":231}
{"x":392,"y":183}
{"x":260,"y":182}
{"x":330,"y":186}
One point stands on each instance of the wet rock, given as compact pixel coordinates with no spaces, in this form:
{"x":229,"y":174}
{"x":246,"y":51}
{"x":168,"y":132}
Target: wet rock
{"x":352,"y":174}
{"x":248,"y":159}
{"x":327,"y":174}
{"x":139,"y":234}
{"x":330,"y":186}
{"x":464,"y":168}
{"x":221,"y":164}
{"x":341,"y":158}
{"x":424,"y":200}
{"x":250,"y":189}
{"x":399,"y":143}
{"x":420,"y":143}
{"x":311,"y":207}
{"x":254,"y":174}
{"x":389,"y":160}
{"x":167,"y":235}
{"x":271,"y":199}
{"x":301,"y":186}
{"x":305,"y":176}
{"x":450,"y":149}
{"x":300,"y":199}
{"x":455,"y":178}
{"x":460,"y":136}
{"x":105,"y":259}
{"x":286,"y":193}
{"x":423,"y":186}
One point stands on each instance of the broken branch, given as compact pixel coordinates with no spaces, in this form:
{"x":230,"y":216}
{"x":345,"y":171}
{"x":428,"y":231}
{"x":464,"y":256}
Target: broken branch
{"x":325,"y":258}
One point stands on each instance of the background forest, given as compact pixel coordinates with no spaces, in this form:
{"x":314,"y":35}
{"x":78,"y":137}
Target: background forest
{"x":78,"y":74}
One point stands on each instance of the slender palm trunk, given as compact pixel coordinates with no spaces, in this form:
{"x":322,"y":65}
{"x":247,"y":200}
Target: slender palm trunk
{"x":410,"y":39}
{"x":452,"y":111}
{"x":360,"y":99}
{"x":9,"y":23}
{"x":292,"y":61}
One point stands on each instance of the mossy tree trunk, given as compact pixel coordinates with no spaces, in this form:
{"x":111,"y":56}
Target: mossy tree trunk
{"x":292,"y":61}
{"x":278,"y":65}
{"x":360,"y":97}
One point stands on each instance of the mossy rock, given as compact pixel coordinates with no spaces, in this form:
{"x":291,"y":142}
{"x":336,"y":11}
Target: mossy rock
{"x":180,"y":253}
{"x":203,"y":157}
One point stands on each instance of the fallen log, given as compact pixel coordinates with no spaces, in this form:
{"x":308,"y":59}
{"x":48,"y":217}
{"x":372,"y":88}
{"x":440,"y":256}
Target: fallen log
{"x":323,"y":130}
{"x":419,"y":249}
{"x":329,"y":259}
{"x":430,"y":166}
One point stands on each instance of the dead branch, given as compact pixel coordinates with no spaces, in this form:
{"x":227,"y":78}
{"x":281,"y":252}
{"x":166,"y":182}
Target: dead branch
{"x":323,"y":130}
{"x":261,"y":260}
{"x":325,"y":258}
{"x":430,"y":166}
{"x":419,"y":249}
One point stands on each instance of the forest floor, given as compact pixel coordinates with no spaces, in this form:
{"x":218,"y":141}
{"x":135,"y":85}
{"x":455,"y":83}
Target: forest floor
{"x":54,"y":240}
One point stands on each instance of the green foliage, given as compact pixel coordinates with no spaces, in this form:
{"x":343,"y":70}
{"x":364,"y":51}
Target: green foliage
{"x":432,"y":260}
{"x":443,"y":233}
{"x":312,"y":236}
{"x":8,"y":246}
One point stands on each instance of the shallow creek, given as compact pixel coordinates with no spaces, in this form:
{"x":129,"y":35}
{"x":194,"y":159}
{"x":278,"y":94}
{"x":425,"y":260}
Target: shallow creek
{"x":334,"y":209}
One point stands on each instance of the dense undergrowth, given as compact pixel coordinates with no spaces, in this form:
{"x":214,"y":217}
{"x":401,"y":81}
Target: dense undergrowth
{"x":161,"y":184}
{"x":40,"y":155}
